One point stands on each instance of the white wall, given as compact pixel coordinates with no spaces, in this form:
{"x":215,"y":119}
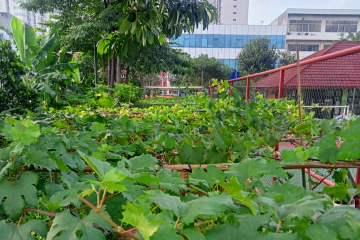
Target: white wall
{"x":234,"y":12}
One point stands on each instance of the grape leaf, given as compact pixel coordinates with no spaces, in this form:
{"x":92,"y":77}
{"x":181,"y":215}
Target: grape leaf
{"x":349,"y":150}
{"x":23,"y":232}
{"x":142,"y":161}
{"x":338,"y":216}
{"x":111,"y":181}
{"x":170,"y":180}
{"x":14,"y":204}
{"x":278,"y":236}
{"x":134,"y":215}
{"x":212,"y":175}
{"x":320,"y":232}
{"x":193,"y":234}
{"x":71,"y":226}
{"x":114,"y":207}
{"x":233,"y":188}
{"x":218,"y":140}
{"x":247,"y":229}
{"x":166,"y":232}
{"x":39,"y":158}
{"x":26,"y":135}
{"x":351,"y":230}
{"x":352,"y":132}
{"x":328,"y":149}
{"x":204,"y":206}
{"x":255,"y":168}
{"x":306,"y":206}
{"x":97,"y":165}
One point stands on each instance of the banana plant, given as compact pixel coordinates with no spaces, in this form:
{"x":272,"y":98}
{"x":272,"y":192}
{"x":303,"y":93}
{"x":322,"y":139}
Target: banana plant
{"x":42,"y":58}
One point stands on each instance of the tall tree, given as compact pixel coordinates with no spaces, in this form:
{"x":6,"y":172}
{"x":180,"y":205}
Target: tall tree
{"x":354,"y":37}
{"x":142,"y":23}
{"x":257,"y":56}
{"x":210,"y":68}
{"x":286,"y":57}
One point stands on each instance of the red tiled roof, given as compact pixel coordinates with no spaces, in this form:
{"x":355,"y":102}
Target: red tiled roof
{"x":341,"y":72}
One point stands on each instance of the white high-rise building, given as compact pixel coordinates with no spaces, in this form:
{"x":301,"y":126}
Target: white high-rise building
{"x":12,"y":7}
{"x":232,"y":12}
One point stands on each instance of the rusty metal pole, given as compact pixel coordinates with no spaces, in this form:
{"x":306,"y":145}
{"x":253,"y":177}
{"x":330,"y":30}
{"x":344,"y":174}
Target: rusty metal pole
{"x":281,"y":84}
{"x":213,"y":93}
{"x":209,"y":91}
{"x":231,"y":85}
{"x":300,"y":110}
{"x":247,"y":88}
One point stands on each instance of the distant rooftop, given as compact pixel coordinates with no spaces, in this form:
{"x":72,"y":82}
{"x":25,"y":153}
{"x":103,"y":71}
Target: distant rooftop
{"x":311,"y":11}
{"x":340,"y":72}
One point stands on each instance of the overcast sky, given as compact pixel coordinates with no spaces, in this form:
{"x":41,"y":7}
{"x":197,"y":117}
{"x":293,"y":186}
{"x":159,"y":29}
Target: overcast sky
{"x":268,"y":10}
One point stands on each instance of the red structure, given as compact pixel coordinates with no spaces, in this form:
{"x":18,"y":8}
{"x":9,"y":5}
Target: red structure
{"x":163,"y":80}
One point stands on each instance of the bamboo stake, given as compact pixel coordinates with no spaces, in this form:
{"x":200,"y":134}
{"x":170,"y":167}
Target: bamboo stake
{"x":300,"y":110}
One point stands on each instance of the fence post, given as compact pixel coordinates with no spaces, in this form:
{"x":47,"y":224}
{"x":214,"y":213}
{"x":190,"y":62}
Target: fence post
{"x":213,"y":88}
{"x":281,"y":84}
{"x":247,"y":88}
{"x":231,"y":85}
{"x":357,"y":182}
{"x":209,"y":91}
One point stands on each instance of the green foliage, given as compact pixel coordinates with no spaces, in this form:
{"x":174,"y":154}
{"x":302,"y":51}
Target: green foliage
{"x":14,"y":93}
{"x":257,"y":56}
{"x":24,"y":231}
{"x":125,"y":152}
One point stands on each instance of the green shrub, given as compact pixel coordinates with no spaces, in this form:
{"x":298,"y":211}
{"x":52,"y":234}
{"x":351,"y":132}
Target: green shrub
{"x":13,"y":92}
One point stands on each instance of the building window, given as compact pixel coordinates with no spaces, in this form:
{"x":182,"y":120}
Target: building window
{"x":235,"y":6}
{"x":304,"y":47}
{"x":341,"y":26}
{"x":305,"y":26}
{"x":234,"y":12}
{"x":223,"y":40}
{"x":234,"y":20}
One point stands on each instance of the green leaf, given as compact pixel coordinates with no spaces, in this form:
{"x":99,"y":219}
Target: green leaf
{"x":142,"y":161}
{"x":97,"y":126}
{"x":218,"y":140}
{"x":71,"y":226}
{"x":124,"y":26}
{"x":212,"y":175}
{"x":339,"y":192}
{"x":247,"y":229}
{"x":350,"y":150}
{"x":338,"y":216}
{"x":23,"y":232}
{"x":97,"y":165}
{"x":39,"y":159}
{"x":134,"y":215}
{"x":203,"y":207}
{"x":351,"y":230}
{"x":352,"y":132}
{"x":278,"y":236}
{"x":111,"y":181}
{"x":328,"y":149}
{"x":18,"y":33}
{"x":193,"y":234}
{"x":26,"y":135}
{"x":14,"y":204}
{"x":170,"y":180}
{"x":320,"y":232}
{"x":4,"y":168}
{"x":166,"y":232}
{"x":233,"y":188}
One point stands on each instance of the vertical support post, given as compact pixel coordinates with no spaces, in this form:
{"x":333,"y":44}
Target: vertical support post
{"x":300,"y":112}
{"x":357,"y":182}
{"x":281,"y":84}
{"x":209,"y":91}
{"x":95,"y":62}
{"x":276,"y":149}
{"x":213,"y":93}
{"x":247,"y":88}
{"x":231,"y":85}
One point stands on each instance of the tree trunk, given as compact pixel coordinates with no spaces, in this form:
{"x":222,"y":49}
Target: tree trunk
{"x":112,"y":75}
{"x":118,"y":70}
{"x":109,"y":71}
{"x":95,"y":62}
{"x":127,"y":75}
{"x":104,"y":65}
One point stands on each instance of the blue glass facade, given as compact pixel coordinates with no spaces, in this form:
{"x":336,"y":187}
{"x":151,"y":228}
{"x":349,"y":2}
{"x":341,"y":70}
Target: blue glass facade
{"x":224,"y":41}
{"x":232,"y":63}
